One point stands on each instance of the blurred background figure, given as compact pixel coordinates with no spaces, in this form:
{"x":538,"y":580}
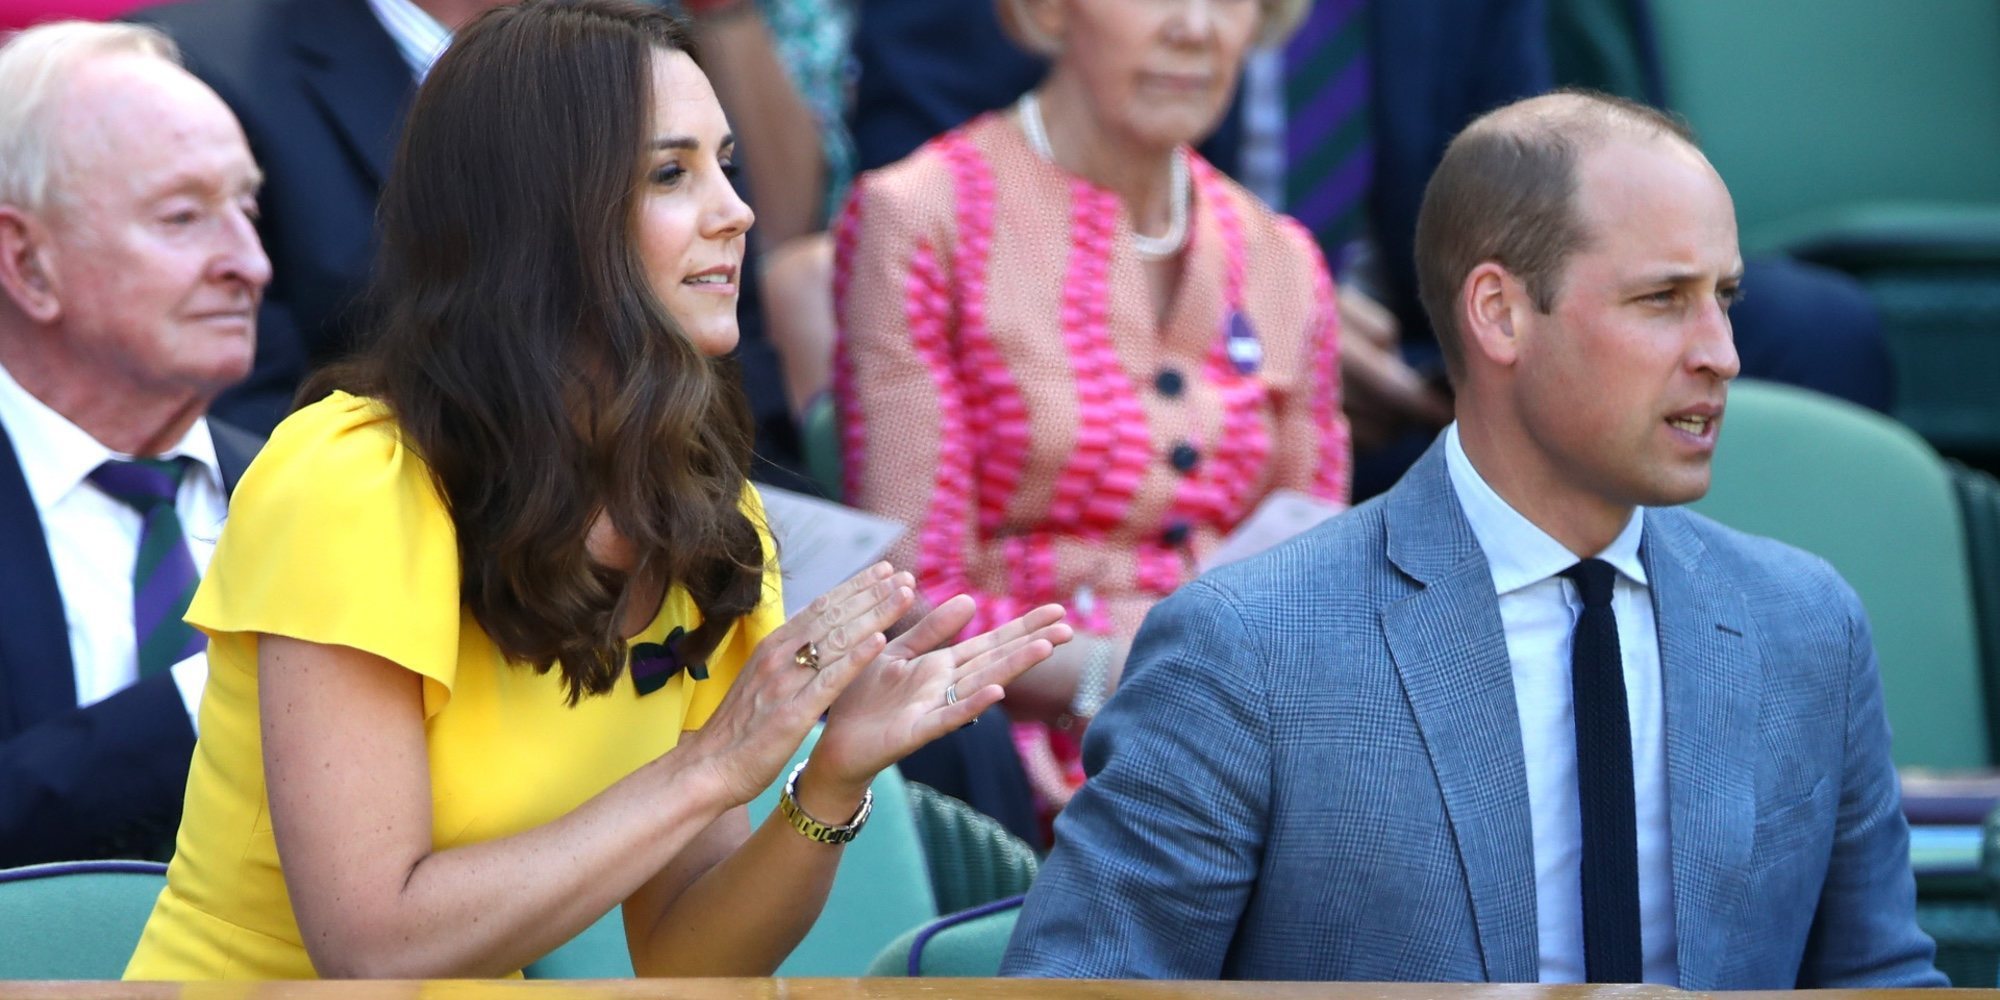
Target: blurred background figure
{"x":131,"y":271}
{"x":1073,"y":354}
{"x":1342,"y":127}
{"x":781,"y":72}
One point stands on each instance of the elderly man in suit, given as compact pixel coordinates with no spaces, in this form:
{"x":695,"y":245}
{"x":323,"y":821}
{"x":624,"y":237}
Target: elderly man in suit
{"x":130,"y":273}
{"x":1518,"y":719}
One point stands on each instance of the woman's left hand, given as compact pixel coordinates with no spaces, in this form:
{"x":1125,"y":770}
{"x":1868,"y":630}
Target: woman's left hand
{"x":899,"y":702}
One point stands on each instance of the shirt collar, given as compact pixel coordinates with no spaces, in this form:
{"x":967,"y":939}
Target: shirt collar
{"x":57,"y":455}
{"x":1517,"y":552}
{"x":418,"y":36}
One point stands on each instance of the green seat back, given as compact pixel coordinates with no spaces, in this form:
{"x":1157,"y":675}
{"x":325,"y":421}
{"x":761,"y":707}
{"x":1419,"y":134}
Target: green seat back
{"x":1866,"y":494}
{"x":1979,"y":499}
{"x":76,"y":920}
{"x":971,"y":857}
{"x":819,"y":432}
{"x":967,"y":945}
{"x":1967,"y":932}
{"x":1805,"y":105}
{"x":882,"y":887}
{"x":1597,"y":45}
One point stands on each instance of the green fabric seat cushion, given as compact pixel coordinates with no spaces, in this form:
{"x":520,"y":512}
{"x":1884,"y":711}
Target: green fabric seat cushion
{"x":75,"y":920}
{"x":965,"y":945}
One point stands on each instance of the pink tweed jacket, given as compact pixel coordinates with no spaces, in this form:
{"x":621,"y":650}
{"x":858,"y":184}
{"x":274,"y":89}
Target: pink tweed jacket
{"x":1006,"y":390}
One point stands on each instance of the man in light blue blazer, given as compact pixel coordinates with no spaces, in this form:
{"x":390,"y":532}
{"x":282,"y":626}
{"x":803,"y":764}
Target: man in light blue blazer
{"x":1520,"y":718}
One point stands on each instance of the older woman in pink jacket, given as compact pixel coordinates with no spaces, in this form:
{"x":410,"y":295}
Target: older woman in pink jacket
{"x":1073,"y":355}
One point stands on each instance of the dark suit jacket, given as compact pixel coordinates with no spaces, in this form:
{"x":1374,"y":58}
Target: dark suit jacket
{"x":321,"y":92}
{"x":98,"y":782}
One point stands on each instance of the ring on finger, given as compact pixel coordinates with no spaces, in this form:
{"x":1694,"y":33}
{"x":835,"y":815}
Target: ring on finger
{"x":807,"y":655}
{"x":951,"y":694}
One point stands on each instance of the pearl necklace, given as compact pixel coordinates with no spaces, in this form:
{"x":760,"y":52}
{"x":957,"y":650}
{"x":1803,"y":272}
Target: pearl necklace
{"x":1160,"y":247}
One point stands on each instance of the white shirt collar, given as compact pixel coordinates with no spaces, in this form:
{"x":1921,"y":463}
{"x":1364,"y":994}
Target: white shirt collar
{"x":418,"y":36}
{"x":1517,"y":552}
{"x":57,"y":455}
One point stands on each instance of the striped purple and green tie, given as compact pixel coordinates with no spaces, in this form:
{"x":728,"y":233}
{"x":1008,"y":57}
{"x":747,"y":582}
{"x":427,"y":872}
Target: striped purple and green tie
{"x":1329,"y":149}
{"x":163,"y":576}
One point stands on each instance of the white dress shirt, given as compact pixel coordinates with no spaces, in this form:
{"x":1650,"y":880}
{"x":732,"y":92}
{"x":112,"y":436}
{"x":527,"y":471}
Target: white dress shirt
{"x":1539,"y":610}
{"x":94,"y":538}
{"x":418,"y":36}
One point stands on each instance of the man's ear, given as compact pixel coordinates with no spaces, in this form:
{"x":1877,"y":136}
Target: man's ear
{"x":26,"y":265}
{"x":1490,"y":308}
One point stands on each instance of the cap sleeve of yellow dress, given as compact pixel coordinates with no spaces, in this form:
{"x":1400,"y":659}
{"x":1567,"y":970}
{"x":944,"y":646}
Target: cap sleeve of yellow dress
{"x":337,"y":535}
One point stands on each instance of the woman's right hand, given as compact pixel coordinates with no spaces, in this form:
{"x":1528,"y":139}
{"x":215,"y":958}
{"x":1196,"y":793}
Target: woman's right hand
{"x":775,"y":700}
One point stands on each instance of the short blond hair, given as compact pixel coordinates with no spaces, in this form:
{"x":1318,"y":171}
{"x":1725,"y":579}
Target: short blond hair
{"x":1280,"y":19}
{"x":34,"y":67}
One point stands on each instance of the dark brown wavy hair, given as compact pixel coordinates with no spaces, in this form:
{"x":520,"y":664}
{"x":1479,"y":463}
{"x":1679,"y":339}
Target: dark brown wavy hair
{"x":520,"y":345}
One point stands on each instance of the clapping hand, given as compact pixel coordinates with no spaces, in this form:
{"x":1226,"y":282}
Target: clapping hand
{"x":916,"y":691}
{"x":794,"y":675}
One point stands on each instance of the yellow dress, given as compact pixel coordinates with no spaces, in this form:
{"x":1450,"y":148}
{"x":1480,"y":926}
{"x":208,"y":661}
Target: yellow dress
{"x":337,"y":535}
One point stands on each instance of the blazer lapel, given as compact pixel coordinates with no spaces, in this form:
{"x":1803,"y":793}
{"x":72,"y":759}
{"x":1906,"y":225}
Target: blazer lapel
{"x":1711,"y":680}
{"x":234,"y":448}
{"x":37,"y":678}
{"x":1451,"y":654}
{"x":358,"y":79}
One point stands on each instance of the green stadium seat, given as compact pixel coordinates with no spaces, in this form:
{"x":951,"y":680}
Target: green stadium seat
{"x":819,"y":434}
{"x":973,"y":860}
{"x":1809,"y":106}
{"x":966,"y":945}
{"x":1870,"y":497}
{"x":75,"y":920}
{"x":1979,"y":501}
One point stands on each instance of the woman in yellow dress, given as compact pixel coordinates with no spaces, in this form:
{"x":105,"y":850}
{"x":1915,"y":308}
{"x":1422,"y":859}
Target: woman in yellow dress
{"x":495,"y":637}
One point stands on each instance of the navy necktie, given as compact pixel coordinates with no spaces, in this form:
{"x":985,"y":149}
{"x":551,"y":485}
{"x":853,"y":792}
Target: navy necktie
{"x":163,"y":574}
{"x":1611,"y":950}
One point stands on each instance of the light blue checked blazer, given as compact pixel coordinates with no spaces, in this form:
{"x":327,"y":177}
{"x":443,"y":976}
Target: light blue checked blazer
{"x":1313,"y":770}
